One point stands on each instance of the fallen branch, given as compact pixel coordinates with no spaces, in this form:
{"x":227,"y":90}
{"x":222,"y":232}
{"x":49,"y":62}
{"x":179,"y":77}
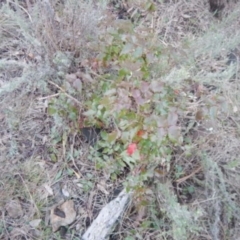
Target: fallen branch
{"x":108,"y":218}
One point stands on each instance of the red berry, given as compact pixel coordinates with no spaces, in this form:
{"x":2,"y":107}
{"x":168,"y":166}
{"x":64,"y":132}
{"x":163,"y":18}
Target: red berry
{"x":131,"y":148}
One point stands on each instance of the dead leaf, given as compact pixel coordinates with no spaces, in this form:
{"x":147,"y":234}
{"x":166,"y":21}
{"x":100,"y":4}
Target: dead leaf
{"x":172,"y":118}
{"x":17,"y":232}
{"x":68,"y":215}
{"x":185,"y":15}
{"x":35,"y":223}
{"x":86,"y":78}
{"x":71,"y":77}
{"x":77,"y":84}
{"x":156,"y":86}
{"x":140,"y":216}
{"x":137,"y":96}
{"x":49,"y":189}
{"x":58,"y":212}
{"x":14,"y":209}
{"x":102,"y":189}
{"x":199,"y":115}
{"x":65,"y":191}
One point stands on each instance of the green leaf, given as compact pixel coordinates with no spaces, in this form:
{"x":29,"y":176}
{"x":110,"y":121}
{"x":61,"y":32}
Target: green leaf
{"x":123,"y":25}
{"x":130,"y":161}
{"x":116,"y":147}
{"x":113,"y":176}
{"x":234,"y":163}
{"x":106,"y":102}
{"x":109,"y":92}
{"x":138,"y":52}
{"x":153,"y":137}
{"x":122,"y":73}
{"x":127,"y":49}
{"x":162,"y":133}
{"x":123,"y":124}
{"x":125,"y":136}
{"x":129,"y":238}
{"x":89,"y":113}
{"x":53,"y":157}
{"x":70,"y":171}
{"x":104,"y":135}
{"x":112,"y":137}
{"x":132,"y":132}
{"x":150,"y":7}
{"x":59,"y":174}
{"x":51,"y":110}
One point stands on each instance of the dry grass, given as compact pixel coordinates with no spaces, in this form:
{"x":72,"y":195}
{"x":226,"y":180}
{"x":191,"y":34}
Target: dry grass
{"x":37,"y":46}
{"x":31,"y":41}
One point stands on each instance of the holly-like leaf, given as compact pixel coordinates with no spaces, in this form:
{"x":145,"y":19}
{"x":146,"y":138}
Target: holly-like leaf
{"x":174,"y":134}
{"x":137,"y":96}
{"x":156,"y":86}
{"x":110,"y":92}
{"x":112,"y":137}
{"x":107,"y":102}
{"x":129,"y":161}
{"x":140,"y":133}
{"x":89,"y":113}
{"x":127,"y":49}
{"x":172,"y":118}
{"x":138,"y":52}
{"x":162,"y":122}
{"x":51,"y":110}
{"x":161,"y":132}
{"x":77,"y":84}
{"x":131,"y":156}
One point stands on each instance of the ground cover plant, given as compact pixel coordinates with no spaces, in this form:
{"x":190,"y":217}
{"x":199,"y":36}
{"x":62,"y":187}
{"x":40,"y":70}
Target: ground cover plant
{"x":97,"y":96}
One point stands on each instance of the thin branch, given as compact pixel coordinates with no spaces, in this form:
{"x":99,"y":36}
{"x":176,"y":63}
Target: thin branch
{"x":183,"y":179}
{"x":50,"y":96}
{"x":64,"y":92}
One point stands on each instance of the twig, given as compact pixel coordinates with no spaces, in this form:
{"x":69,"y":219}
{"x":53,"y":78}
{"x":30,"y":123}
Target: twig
{"x":64,"y":92}
{"x":71,"y":155}
{"x":50,"y":96}
{"x":183,"y":179}
{"x":97,"y":75}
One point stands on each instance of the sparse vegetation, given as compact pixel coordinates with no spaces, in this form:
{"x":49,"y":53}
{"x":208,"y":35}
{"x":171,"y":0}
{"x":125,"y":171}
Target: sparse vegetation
{"x":100,"y":95}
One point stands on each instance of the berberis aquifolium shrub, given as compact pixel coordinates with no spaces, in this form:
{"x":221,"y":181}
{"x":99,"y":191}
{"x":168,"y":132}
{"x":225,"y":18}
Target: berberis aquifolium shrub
{"x":139,"y":99}
{"x":144,"y":97}
{"x":142,"y":111}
